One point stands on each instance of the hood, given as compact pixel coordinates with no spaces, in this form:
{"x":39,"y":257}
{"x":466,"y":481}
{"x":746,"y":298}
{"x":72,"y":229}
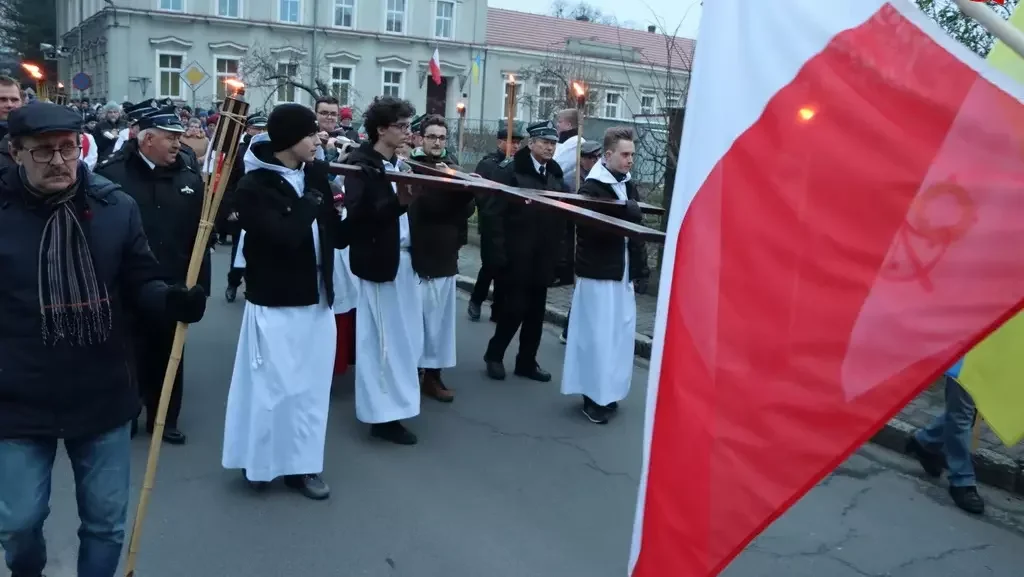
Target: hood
{"x":259,"y":155}
{"x":365,"y":155}
{"x":601,"y":173}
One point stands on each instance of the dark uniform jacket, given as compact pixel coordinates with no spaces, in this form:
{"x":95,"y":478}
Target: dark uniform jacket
{"x":487,"y":167}
{"x":437,"y":222}
{"x":373,"y":213}
{"x":600,"y":255}
{"x":62,"y":390}
{"x":525,"y":241}
{"x":280,"y":257}
{"x":171,"y":202}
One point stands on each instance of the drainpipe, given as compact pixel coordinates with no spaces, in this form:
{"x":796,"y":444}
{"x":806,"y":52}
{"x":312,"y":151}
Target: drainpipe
{"x":312,"y":52}
{"x":81,"y":43}
{"x":483,"y":88}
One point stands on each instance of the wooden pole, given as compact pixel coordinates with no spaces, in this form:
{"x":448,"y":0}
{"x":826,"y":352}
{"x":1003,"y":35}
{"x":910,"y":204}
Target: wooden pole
{"x":581,"y":105}
{"x":225,"y":143}
{"x":462,"y":127}
{"x":511,"y":112}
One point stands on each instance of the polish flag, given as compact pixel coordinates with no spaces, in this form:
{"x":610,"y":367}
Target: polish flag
{"x":846,"y":224}
{"x":435,"y":67}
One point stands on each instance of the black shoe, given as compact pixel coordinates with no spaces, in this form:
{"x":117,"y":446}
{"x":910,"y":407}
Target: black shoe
{"x":932,"y":463}
{"x":534,"y":373}
{"x":231,"y":293}
{"x":595,"y":412}
{"x":613,"y":406}
{"x":311,"y":486}
{"x":495,"y":370}
{"x":393,"y":432}
{"x":173,"y":436}
{"x":968,"y":499}
{"x":256,"y":485}
{"x":474,"y":311}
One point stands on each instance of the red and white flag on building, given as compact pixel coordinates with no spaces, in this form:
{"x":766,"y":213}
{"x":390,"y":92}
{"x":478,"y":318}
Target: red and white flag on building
{"x":435,"y":67}
{"x":846,"y":223}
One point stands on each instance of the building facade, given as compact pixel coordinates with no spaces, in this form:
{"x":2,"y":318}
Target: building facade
{"x":358,"y":49}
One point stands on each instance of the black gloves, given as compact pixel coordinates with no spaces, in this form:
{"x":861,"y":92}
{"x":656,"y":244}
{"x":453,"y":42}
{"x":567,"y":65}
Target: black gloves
{"x":186,"y":305}
{"x":633,"y":212}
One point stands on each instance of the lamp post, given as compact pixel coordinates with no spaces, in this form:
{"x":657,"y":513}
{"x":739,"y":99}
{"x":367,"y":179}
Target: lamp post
{"x":511,"y":109}
{"x":581,"y":105}
{"x":461,"y":108}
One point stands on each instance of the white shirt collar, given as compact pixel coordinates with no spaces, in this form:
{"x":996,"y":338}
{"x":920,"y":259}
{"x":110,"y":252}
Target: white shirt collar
{"x":537,"y":165}
{"x":148,"y":161}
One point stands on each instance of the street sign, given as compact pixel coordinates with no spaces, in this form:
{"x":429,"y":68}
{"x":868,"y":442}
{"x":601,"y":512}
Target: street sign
{"x":194,"y":75}
{"x":81,"y":81}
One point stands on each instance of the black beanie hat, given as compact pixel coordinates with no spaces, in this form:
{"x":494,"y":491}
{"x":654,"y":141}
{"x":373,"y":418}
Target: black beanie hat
{"x":290,"y":123}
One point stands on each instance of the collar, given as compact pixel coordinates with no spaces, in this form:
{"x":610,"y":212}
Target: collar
{"x":571,"y":133}
{"x":149,"y":163}
{"x":536,"y":164}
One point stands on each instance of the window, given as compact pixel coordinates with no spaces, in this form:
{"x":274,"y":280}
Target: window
{"x":392,"y":85}
{"x":593,"y":99}
{"x":345,"y":13}
{"x":168,"y":73}
{"x":444,"y":20}
{"x":288,"y":11}
{"x":648,"y":101}
{"x":671,"y":101}
{"x":546,"y":95}
{"x":285,"y":89}
{"x":173,"y":5}
{"x":395,"y":17}
{"x":226,"y":68}
{"x":612,"y":104}
{"x":229,"y":8}
{"x":341,"y":84}
{"x":505,"y":103}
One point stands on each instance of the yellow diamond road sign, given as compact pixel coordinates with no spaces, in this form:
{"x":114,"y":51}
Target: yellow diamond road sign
{"x":194,"y":75}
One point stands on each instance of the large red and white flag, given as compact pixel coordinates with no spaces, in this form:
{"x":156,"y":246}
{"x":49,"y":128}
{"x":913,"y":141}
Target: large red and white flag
{"x":846,"y":223}
{"x":435,"y":67}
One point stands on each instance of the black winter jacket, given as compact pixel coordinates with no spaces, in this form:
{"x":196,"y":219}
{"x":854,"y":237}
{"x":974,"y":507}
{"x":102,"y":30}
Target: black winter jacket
{"x":280,"y":258}
{"x":436,"y":221}
{"x":373,"y":213}
{"x":170,"y":200}
{"x":524,"y":244}
{"x":62,"y":390}
{"x":600,"y":255}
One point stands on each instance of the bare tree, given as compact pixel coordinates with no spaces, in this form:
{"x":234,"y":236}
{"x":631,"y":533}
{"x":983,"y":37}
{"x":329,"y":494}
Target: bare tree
{"x":554,"y":78}
{"x":289,"y":69}
{"x":580,"y":10}
{"x":962,"y":27}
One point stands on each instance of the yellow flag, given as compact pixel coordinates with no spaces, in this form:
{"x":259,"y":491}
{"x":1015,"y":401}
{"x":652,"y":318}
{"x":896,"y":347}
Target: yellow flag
{"x":993,"y":371}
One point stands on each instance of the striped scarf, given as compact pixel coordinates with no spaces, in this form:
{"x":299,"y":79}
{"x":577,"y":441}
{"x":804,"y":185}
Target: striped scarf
{"x":74,"y":305}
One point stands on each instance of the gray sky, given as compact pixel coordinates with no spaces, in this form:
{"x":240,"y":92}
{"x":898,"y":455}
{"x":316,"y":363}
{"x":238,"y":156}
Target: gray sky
{"x":667,"y":13}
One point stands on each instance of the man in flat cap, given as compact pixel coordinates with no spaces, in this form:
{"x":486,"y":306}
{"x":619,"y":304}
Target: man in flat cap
{"x":76,"y":260}
{"x":524,"y":247}
{"x":486,"y":168}
{"x":169,"y":191}
{"x":255,"y":124}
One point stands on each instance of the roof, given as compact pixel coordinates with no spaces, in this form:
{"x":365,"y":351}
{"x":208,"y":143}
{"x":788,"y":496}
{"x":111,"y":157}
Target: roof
{"x":513,"y":29}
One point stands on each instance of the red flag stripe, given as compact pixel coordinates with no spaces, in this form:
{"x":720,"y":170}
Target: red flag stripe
{"x":781,"y":250}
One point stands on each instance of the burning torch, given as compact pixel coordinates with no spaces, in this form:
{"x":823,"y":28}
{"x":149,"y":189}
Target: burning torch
{"x":461,"y":108}
{"x":511,"y":112}
{"x":581,"y":105}
{"x":36,"y":73}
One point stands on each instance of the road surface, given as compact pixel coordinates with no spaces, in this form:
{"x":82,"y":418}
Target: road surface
{"x":508,"y":481}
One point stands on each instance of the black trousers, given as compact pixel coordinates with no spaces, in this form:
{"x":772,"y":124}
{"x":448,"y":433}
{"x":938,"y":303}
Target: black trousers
{"x":235,"y":274}
{"x":484,"y":278}
{"x":152,"y":350}
{"x":522,"y":309}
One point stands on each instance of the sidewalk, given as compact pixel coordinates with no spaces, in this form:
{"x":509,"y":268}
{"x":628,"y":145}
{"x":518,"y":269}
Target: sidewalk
{"x":996,"y":464}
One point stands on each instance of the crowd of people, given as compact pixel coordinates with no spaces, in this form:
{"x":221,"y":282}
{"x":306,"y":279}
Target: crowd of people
{"x":337,"y":271}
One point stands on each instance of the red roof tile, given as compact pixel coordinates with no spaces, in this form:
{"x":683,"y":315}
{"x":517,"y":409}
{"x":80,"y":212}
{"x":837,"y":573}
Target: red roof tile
{"x":512,"y":29}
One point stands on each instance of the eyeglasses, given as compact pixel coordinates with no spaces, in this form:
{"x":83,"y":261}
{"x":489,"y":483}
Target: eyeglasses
{"x":44,"y":155}
{"x":328,"y":114}
{"x":437,"y":137}
{"x":403,"y":126}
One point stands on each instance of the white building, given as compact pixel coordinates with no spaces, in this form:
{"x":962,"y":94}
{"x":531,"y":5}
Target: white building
{"x":135,"y":49}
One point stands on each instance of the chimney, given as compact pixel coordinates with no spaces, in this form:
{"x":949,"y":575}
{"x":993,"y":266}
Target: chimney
{"x":652,"y":28}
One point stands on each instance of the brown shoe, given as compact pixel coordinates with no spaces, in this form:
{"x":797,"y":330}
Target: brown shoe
{"x":432,"y":386}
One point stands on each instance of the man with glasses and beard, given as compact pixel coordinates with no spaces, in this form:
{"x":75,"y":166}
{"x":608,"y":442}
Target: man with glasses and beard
{"x":74,"y":260}
{"x":389,"y":316}
{"x":168,"y":188}
{"x":523,"y":248}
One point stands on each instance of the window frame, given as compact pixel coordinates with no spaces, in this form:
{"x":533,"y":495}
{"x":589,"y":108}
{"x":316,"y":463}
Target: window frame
{"x":351,"y":82}
{"x":298,"y":14}
{"x":405,"y":17}
{"x":354,"y":7}
{"x":401,"y":84}
{"x":653,"y":95}
{"x":295,"y":91}
{"x":184,"y":6}
{"x":618,"y":106}
{"x":437,"y":18}
{"x":219,"y":78}
{"x":216,"y":9}
{"x":160,"y":70}
{"x":553,"y":99}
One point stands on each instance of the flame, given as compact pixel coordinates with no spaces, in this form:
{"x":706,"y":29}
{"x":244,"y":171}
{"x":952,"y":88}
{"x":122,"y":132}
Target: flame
{"x":60,"y":85}
{"x":234,"y":83}
{"x":578,"y":88}
{"x":460,"y":106}
{"x":806,"y":114}
{"x":33,"y":70}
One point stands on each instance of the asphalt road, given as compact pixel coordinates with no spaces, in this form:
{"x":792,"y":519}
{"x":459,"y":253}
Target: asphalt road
{"x":509,"y":481}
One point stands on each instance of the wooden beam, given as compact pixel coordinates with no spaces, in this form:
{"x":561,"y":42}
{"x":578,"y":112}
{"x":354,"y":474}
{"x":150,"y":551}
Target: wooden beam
{"x":568,"y":197}
{"x":579,"y":214}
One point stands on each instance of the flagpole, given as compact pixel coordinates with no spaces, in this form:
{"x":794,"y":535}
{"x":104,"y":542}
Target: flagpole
{"x":995,"y":25}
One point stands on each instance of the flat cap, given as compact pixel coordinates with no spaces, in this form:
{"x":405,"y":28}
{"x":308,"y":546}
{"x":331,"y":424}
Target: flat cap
{"x":164,"y":119}
{"x":517,"y":130}
{"x":42,"y":117}
{"x":137,"y":111}
{"x":591,"y":148}
{"x":543,"y":130}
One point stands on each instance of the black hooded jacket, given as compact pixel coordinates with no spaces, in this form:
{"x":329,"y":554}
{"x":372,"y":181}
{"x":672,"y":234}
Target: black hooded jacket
{"x":373,"y":213}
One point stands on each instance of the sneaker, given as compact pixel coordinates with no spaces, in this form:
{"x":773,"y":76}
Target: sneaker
{"x":968,"y":499}
{"x":230,"y":294}
{"x":473,"y":311}
{"x":393,"y":432}
{"x":311,"y":486}
{"x":595,"y":413}
{"x":932,"y":463}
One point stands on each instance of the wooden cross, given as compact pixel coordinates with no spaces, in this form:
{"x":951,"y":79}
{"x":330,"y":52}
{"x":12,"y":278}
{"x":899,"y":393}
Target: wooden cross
{"x":449,"y":179}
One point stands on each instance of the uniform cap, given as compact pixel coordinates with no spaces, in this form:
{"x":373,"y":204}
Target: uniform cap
{"x":543,"y":130}
{"x":163,"y":119}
